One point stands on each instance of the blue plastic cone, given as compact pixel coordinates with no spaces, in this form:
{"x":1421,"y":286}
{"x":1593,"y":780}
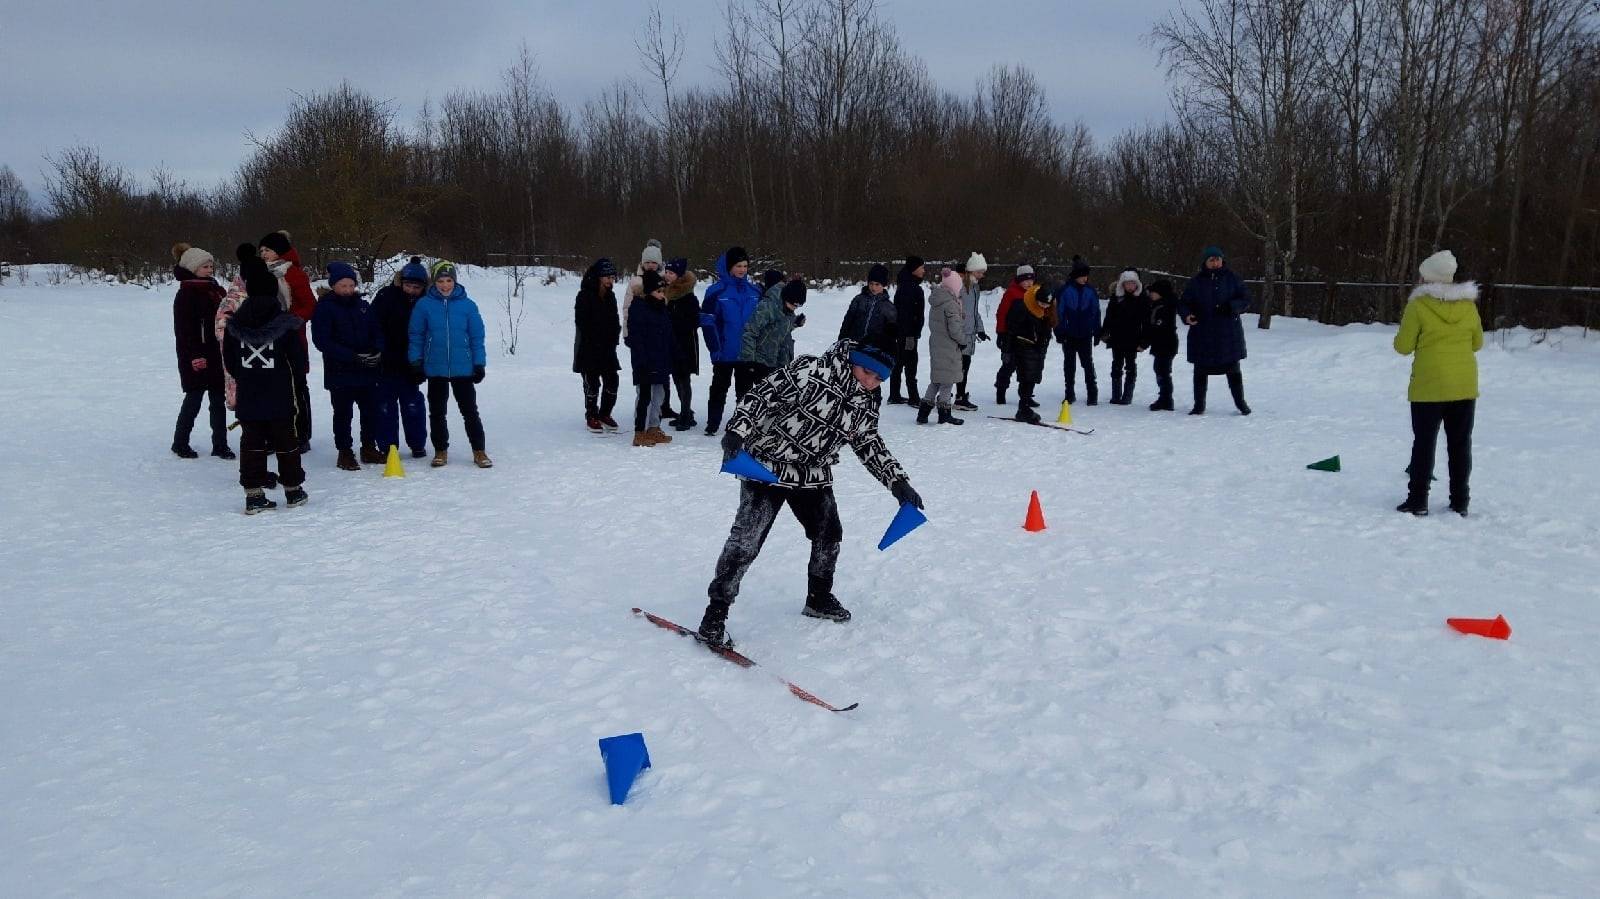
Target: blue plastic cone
{"x":908,"y":519}
{"x":625,"y":756}
{"x":745,"y":466}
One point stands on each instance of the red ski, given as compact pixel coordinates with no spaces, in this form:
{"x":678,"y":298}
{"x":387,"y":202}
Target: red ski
{"x":740,"y":659}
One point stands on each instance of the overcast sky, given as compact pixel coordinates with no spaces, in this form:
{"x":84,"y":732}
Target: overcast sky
{"x":152,"y":82}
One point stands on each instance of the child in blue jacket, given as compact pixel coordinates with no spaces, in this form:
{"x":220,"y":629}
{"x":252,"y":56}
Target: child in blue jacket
{"x":1078,"y":331}
{"x":446,"y":347}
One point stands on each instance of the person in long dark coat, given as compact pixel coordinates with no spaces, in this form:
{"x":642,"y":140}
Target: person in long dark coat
{"x":200,"y":371}
{"x":651,"y":346}
{"x":910,"y":315}
{"x":1211,"y":305}
{"x":1123,"y":331}
{"x":598,"y":330}
{"x":684,"y":307}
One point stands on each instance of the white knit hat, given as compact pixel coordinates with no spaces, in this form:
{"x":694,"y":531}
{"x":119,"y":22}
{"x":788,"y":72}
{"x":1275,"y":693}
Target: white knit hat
{"x":652,"y":252}
{"x":1024,"y":270}
{"x":1440,"y":268}
{"x":976,"y":263}
{"x":191,"y":258}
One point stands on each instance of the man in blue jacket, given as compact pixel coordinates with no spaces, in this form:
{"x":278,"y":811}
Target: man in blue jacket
{"x":1078,"y":330}
{"x":446,"y":346}
{"x":727,"y":306}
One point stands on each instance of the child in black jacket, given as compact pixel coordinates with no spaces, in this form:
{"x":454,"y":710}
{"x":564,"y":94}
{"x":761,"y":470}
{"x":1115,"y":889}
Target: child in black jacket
{"x":1123,"y":331}
{"x":263,"y":351}
{"x":1161,"y":336}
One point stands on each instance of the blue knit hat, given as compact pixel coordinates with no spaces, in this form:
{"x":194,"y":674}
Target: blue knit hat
{"x":415,"y":271}
{"x":874,"y":359}
{"x":1210,"y":251}
{"x":338,"y":271}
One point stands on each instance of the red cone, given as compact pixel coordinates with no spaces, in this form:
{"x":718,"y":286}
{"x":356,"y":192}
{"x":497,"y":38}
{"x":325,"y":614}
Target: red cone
{"x":1494,"y":628}
{"x":1035,"y":520}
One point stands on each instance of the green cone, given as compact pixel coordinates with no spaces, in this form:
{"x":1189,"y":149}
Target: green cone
{"x":1329,"y":464}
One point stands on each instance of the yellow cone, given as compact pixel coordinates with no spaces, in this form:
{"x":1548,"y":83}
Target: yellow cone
{"x":1066,"y":414}
{"x":393,"y":468}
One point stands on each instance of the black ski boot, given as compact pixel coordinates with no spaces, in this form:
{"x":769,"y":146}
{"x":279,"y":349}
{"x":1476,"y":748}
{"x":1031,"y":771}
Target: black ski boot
{"x":222,"y":452}
{"x":825,"y":606}
{"x":1162,"y":404}
{"x":256,"y":501}
{"x":946,"y":418}
{"x":1025,"y":412}
{"x":713,"y":630}
{"x":1416,"y":505}
{"x":923,"y":411}
{"x":182,"y":451}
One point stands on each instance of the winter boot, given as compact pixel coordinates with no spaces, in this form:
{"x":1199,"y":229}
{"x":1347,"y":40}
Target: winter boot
{"x":1199,"y":395}
{"x":371,"y":456}
{"x":1162,"y":404}
{"x":1094,"y":394}
{"x":945,"y":418}
{"x":182,"y":451}
{"x":607,"y":422}
{"x":481,"y":459}
{"x":1416,"y":505}
{"x":1459,"y":506}
{"x":667,"y":412}
{"x":658,"y":436}
{"x":965,"y":404}
{"x":923,"y":411}
{"x":1025,"y":412}
{"x":295,"y":496}
{"x":222,"y":452}
{"x":641,"y":439}
{"x":1236,"y":387}
{"x":347,"y":461}
{"x":1032,"y":403}
{"x":1116,"y":392}
{"x":592,"y":422}
{"x":441,"y":458}
{"x":999,"y":396}
{"x":256,"y":501}
{"x":685,"y":421}
{"x":713,"y":630}
{"x":417,"y":452}
{"x":824,"y":605}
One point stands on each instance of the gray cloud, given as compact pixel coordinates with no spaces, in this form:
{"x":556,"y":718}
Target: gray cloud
{"x":160,"y":82}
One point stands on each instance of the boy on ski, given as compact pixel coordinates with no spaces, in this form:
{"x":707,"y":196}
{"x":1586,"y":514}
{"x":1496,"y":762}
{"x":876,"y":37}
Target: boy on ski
{"x":1029,"y":325}
{"x":794,"y":423}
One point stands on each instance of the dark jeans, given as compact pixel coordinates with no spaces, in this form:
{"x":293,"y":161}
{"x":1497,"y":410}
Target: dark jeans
{"x":724,"y":375}
{"x":439,"y":390}
{"x":191,"y":410}
{"x":599,"y":393}
{"x":905,"y":364}
{"x":345,"y":401}
{"x":1457,"y":418}
{"x":399,"y":399}
{"x":264,"y":437}
{"x":961,"y":386}
{"x":1076,"y":350}
{"x":817,"y":513}
{"x":647,"y":406}
{"x":1008,"y":363}
{"x":302,"y":418}
{"x":1164,"y":376}
{"x":681,"y":380}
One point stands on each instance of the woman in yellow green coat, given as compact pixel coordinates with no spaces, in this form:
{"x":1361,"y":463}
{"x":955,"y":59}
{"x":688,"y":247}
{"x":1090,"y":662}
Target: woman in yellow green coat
{"x":1442,"y":332}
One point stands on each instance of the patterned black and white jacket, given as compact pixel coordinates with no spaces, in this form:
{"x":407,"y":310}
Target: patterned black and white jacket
{"x":795,"y":421}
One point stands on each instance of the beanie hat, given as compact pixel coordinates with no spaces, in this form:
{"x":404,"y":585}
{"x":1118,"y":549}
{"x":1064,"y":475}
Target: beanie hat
{"x":952,"y":282}
{"x":444,"y":268}
{"x":1163,"y":287}
{"x":415,"y":271}
{"x":1440,"y":268}
{"x":1079,"y":269}
{"x":258,"y":281}
{"x":734,"y":256}
{"x":914,"y":262}
{"x":794,"y":293}
{"x":1024,"y":271}
{"x":277,"y":242}
{"x":651,"y":282}
{"x":976,"y":263}
{"x":874,"y":359}
{"x":338,"y":271}
{"x":879,"y":273}
{"x":1210,"y":251}
{"x":652,"y":252}
{"x":604,"y":268}
{"x":1130,"y":275}
{"x":771,"y":278}
{"x":190,"y":258}
{"x":678,"y":266}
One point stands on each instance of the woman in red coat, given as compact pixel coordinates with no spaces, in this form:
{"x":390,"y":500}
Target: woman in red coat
{"x":194,"y":312}
{"x":294,"y":293}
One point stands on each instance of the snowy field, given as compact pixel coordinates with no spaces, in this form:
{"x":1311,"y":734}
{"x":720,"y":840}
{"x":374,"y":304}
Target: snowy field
{"x":1217,"y":673}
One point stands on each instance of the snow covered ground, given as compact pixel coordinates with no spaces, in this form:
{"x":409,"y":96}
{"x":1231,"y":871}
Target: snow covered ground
{"x":1217,"y":673}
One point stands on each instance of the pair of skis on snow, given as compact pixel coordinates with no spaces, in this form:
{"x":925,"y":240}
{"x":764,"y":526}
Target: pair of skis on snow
{"x":1042,"y":424}
{"x":740,"y":659}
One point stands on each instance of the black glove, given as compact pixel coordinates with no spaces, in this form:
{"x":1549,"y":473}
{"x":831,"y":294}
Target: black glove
{"x":478,"y":374}
{"x":368,"y":360}
{"x":800,"y":320}
{"x":902,"y":491}
{"x":416,"y":370}
{"x":731,"y":444}
{"x":982,"y":337}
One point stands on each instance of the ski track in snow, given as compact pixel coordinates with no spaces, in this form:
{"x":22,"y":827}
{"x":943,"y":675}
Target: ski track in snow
{"x":1217,"y":673}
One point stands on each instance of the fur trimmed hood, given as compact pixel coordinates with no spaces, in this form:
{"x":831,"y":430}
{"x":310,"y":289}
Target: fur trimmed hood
{"x":1447,"y":293}
{"x":1125,"y":277}
{"x":681,"y":287}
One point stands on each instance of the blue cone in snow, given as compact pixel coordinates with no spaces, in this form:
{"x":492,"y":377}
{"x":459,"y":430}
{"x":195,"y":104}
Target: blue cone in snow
{"x":625,"y":757}
{"x":908,"y":519}
{"x":745,"y":465}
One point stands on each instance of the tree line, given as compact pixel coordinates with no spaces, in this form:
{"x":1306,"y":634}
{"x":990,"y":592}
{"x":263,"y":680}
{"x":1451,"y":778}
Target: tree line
{"x":1314,"y":139}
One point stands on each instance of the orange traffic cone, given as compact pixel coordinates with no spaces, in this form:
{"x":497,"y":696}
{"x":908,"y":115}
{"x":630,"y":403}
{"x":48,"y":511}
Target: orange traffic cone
{"x":1494,"y":628}
{"x":1035,"y":520}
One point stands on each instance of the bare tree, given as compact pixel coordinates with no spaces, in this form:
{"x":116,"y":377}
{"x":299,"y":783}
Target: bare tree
{"x":661,"y":52}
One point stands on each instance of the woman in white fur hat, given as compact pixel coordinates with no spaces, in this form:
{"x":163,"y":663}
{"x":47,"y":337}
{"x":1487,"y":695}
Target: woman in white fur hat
{"x":194,"y":312}
{"x":972,"y":314}
{"x":1442,"y":333}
